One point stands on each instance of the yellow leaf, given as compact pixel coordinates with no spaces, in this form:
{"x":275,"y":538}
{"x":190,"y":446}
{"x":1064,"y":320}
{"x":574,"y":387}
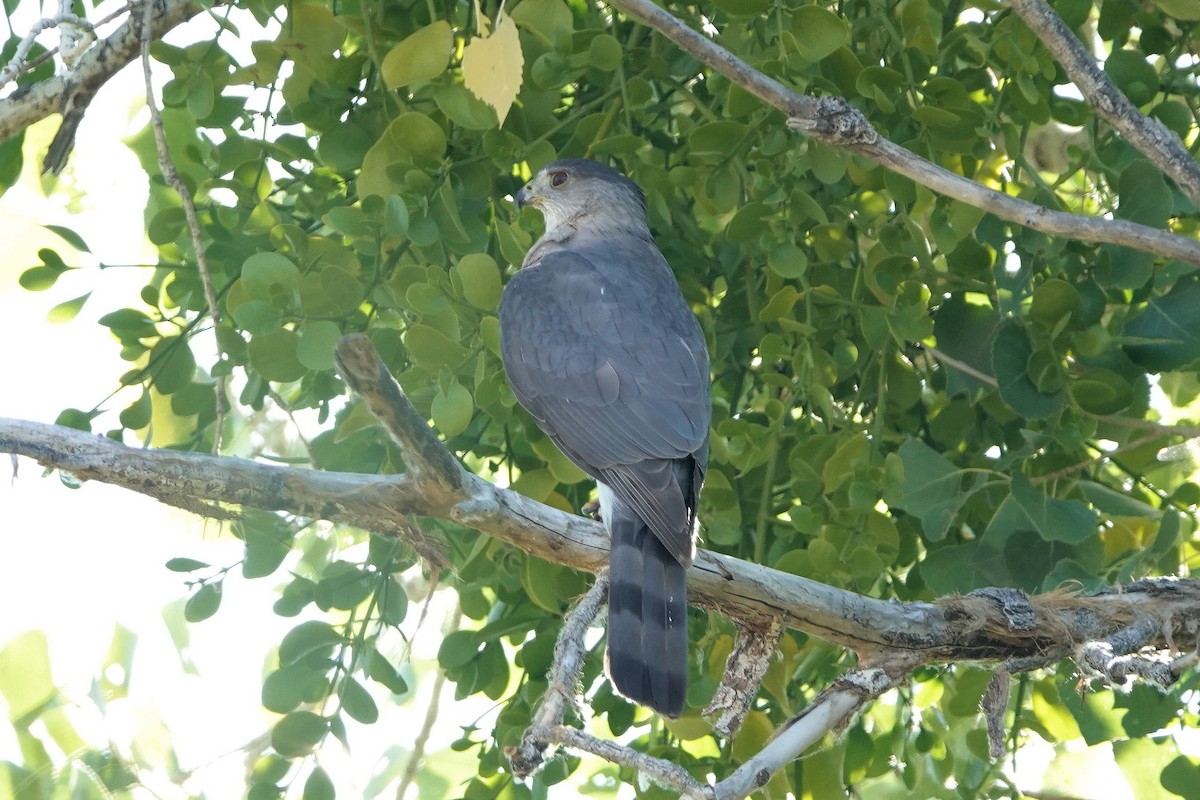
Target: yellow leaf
{"x":492,"y":65}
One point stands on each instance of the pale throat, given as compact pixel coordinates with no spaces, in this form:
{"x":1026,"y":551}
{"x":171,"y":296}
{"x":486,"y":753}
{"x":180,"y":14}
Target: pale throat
{"x":585,"y":225}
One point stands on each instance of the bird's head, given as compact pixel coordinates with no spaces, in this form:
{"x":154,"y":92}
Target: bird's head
{"x":574,"y":188}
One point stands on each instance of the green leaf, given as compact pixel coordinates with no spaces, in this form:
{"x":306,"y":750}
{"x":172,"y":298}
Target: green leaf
{"x":393,"y":606}
{"x":298,"y":734}
{"x":452,"y":409}
{"x":550,"y":20}
{"x":67,"y":311}
{"x":1182,"y":777}
{"x":203,"y":603}
{"x":136,"y":415}
{"x":1167,"y":332}
{"x":395,"y":217}
{"x":1133,"y":75}
{"x":257,"y":317}
{"x":715,"y":138}
{"x":172,"y":365}
{"x":1102,"y":391}
{"x":274,"y":356}
{"x":1053,"y":301}
{"x":465,"y":109}
{"x":421,"y":56}
{"x":1145,"y":196}
{"x":1187,"y":10}
{"x":296,"y":595}
{"x":39,"y":279}
{"x":307,"y":638}
{"x":343,"y":585}
{"x":604,"y":52}
{"x":289,"y":686}
{"x":480,"y":277}
{"x":381,"y":671}
{"x":1011,"y":351}
{"x":743,"y":8}
{"x":1054,"y":520}
{"x":185,"y":565}
{"x":411,"y":139}
{"x":788,"y":261}
{"x":840,"y":467}
{"x":932,"y":488}
{"x":317,"y":340}
{"x":265,"y":552}
{"x":431,"y":348}
{"x":25,"y":679}
{"x":748,"y":222}
{"x":780,"y":305}
{"x":818,"y":32}
{"x":1094,"y":712}
{"x":457,"y":649}
{"x":11,"y":157}
{"x":69,"y":236}
{"x":272,"y":278}
{"x":357,"y":702}
{"x":965,"y":327}
{"x":318,"y":785}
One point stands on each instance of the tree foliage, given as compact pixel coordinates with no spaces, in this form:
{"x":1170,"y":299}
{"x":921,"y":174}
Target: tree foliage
{"x":912,"y":397}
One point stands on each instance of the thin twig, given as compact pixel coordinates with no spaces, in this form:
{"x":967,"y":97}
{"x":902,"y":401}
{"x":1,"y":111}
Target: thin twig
{"x":16,"y":65}
{"x":1091,"y":462}
{"x":1163,"y":429}
{"x":748,"y":662}
{"x":563,"y":690}
{"x":833,"y":121}
{"x":830,"y":712}
{"x":1151,"y":137}
{"x":961,"y":366}
{"x":417,"y":754}
{"x":171,"y":176}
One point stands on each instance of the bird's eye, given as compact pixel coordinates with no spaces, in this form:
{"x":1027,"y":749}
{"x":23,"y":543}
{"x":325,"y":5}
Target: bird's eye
{"x":558,"y":179}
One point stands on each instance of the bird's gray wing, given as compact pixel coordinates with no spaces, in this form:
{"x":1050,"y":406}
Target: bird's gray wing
{"x":613,"y":365}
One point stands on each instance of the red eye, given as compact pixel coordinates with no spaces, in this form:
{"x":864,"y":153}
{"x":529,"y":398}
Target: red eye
{"x":558,"y":179}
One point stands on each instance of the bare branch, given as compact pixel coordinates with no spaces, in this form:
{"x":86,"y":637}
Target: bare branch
{"x":961,"y":366}
{"x":1148,"y":135}
{"x":171,"y":176}
{"x":830,"y":712}
{"x":835,"y":122}
{"x":563,"y":691}
{"x":425,"y":455}
{"x":994,"y":705}
{"x":99,"y":63}
{"x":744,"y":670}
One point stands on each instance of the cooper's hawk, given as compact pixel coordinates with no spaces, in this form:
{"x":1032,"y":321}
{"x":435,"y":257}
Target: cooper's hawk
{"x":601,"y":348}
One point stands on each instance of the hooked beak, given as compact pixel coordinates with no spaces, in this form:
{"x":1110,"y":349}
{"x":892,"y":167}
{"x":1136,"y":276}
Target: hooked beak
{"x":523,"y":197}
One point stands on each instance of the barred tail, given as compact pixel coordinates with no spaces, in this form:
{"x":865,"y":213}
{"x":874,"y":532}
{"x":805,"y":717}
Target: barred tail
{"x":647,"y":616}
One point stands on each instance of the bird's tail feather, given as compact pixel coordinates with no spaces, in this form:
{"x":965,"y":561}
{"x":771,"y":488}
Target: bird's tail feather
{"x":647,"y":617}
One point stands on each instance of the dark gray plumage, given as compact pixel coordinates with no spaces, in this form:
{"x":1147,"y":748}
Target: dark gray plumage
{"x":601,"y":348}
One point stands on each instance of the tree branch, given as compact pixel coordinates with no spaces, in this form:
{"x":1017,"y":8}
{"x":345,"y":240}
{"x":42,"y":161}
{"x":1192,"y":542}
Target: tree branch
{"x":1148,"y":135}
{"x":833,"y":121}
{"x":436,"y":485}
{"x":99,"y":63}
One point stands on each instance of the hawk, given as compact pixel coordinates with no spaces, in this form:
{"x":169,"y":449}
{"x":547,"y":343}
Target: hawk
{"x":603,"y":351}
